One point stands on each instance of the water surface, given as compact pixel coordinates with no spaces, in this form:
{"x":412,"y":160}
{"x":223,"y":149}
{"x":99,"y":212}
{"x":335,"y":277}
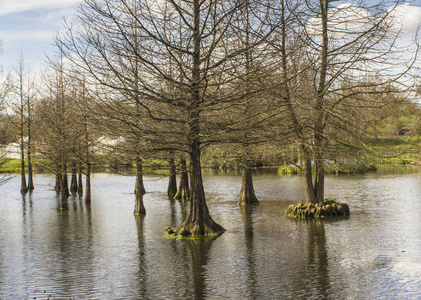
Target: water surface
{"x":101,"y":251}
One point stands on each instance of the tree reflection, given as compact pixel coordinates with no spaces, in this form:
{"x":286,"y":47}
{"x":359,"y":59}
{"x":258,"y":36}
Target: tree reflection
{"x":317,"y":261}
{"x":248,"y":211}
{"x":199,"y":250}
{"x":142,"y":275}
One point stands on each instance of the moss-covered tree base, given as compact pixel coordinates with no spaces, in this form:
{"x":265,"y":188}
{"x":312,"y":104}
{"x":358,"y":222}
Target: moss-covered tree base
{"x":195,"y":231}
{"x":313,"y":211}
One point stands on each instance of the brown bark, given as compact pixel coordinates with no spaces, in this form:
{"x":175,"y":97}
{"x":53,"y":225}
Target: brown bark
{"x":172,"y":182}
{"x":88,"y":183}
{"x":23,"y":186}
{"x":183,"y":191}
{"x":80,"y":183}
{"x":139,"y":208}
{"x":198,"y":220}
{"x":247,"y":195}
{"x":65,"y":183}
{"x":73,"y":182}
{"x":57,"y":186}
{"x":30,"y":175}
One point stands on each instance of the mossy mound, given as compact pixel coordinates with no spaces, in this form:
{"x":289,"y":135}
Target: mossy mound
{"x":195,"y":232}
{"x":306,"y":211}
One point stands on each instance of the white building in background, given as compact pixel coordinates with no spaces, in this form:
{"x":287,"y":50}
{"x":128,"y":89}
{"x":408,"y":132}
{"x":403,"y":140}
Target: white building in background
{"x":104,"y":145}
{"x":12,"y":150}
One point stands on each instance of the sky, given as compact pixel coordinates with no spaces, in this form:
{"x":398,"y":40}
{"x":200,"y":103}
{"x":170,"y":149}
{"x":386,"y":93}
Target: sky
{"x":28,"y":27}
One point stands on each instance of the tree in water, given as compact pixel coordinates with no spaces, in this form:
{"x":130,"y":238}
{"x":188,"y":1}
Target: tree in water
{"x":139,"y":208}
{"x":80,"y":182}
{"x":183,"y":192}
{"x":73,"y":181}
{"x":172,"y":182}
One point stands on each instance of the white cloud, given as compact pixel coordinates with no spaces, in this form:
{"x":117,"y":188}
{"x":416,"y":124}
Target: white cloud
{"x":14,"y":6}
{"x":405,"y":18}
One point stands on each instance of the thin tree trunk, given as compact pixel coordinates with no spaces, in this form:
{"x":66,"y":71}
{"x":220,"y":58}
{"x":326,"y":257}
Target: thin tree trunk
{"x":57,"y":186}
{"x":80,"y":183}
{"x":88,"y":183}
{"x":73,"y":182}
{"x":172,"y":182}
{"x":247,"y":195}
{"x":183,"y":191}
{"x":65,"y":183}
{"x":23,"y":186}
{"x":30,"y":175}
{"x":139,"y":208}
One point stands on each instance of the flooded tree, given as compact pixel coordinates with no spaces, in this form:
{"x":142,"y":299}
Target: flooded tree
{"x":336,"y":46}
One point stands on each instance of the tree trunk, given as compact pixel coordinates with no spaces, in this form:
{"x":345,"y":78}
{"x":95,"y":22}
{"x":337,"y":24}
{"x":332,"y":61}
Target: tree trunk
{"x":310,"y":195}
{"x":198,"y":220}
{"x":80,"y":184}
{"x":183,"y":191}
{"x":172,"y":183}
{"x":30,"y":175}
{"x":65,"y":183}
{"x":23,"y":186}
{"x":88,"y":183}
{"x":139,"y":208}
{"x":247,"y":195}
{"x":57,"y":186}
{"x":73,"y":182}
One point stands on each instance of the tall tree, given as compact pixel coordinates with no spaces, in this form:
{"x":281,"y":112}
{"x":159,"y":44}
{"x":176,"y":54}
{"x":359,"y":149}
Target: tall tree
{"x":179,"y":112}
{"x":338,"y":46}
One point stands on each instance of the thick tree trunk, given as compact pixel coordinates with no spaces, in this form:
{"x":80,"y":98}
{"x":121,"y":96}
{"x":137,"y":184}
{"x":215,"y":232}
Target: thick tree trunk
{"x":247,"y":195}
{"x":139,"y":208}
{"x":80,"y":183}
{"x":73,"y":182}
{"x":198,"y":220}
{"x":65,"y":183}
{"x":172,"y":182}
{"x":310,"y":194}
{"x":183,"y":191}
{"x":88,"y":183}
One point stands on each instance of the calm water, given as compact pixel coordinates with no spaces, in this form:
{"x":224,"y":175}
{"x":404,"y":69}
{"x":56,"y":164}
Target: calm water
{"x":104,"y":252}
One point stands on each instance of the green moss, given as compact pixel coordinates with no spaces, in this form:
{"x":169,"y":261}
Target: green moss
{"x":310,"y":211}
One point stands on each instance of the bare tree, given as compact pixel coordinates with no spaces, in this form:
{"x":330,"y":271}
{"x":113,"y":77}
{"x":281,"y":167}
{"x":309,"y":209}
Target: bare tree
{"x":337,"y":45}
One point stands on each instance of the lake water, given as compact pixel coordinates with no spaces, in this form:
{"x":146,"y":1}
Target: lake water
{"x":102,"y":251}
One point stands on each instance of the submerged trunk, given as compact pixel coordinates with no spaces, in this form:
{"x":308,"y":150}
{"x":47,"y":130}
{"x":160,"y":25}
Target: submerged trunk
{"x":88,"y":183}
{"x":172,"y":183}
{"x":183,"y":191}
{"x":65,"y":183}
{"x":80,"y":184}
{"x":198,"y":220}
{"x":139,"y":208}
{"x":73,"y":182}
{"x":139,"y":180}
{"x":247,"y":195}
